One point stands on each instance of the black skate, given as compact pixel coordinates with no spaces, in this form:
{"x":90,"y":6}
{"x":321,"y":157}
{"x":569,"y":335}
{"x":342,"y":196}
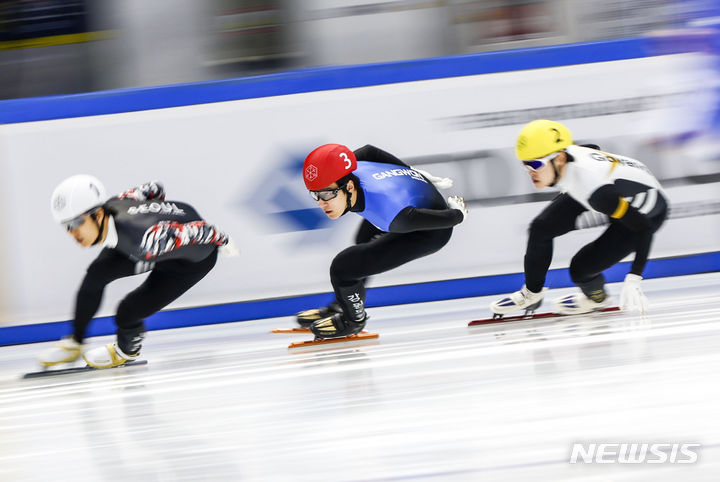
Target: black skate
{"x":336,"y":325}
{"x":308,"y":317}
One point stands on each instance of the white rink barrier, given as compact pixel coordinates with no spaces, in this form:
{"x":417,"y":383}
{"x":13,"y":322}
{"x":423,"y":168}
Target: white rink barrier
{"x":238,"y":162}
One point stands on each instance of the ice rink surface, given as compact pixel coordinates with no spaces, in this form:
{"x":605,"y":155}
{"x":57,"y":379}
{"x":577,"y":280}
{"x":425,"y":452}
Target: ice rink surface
{"x":431,"y":399}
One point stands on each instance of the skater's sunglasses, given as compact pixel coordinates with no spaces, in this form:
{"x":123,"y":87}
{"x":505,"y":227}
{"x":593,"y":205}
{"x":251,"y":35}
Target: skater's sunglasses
{"x":536,"y":164}
{"x":326,"y":194}
{"x":74,"y":223}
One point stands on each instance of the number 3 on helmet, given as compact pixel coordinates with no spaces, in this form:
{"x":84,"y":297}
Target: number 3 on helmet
{"x":326,"y":165}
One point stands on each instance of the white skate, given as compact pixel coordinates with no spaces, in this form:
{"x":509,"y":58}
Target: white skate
{"x":578,"y":303}
{"x":66,"y":350}
{"x":520,"y":300}
{"x":107,"y":356}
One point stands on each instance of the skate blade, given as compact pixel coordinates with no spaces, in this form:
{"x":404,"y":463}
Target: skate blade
{"x":86,"y":368}
{"x":536,"y":316}
{"x":363,"y":335}
{"x":291,"y":330}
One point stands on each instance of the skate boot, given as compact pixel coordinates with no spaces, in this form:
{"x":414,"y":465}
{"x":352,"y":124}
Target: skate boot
{"x":307,"y":317}
{"x":520,"y":300}
{"x":107,"y":356}
{"x":579,"y":303}
{"x":336,"y":325}
{"x":66,"y":350}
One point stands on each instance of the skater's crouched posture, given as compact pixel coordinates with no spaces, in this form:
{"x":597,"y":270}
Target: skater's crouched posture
{"x":139,"y":231}
{"x":405,"y":218}
{"x":621,"y":188}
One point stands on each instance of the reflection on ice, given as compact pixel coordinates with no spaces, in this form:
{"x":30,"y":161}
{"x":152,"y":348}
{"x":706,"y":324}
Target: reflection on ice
{"x":434,"y":399}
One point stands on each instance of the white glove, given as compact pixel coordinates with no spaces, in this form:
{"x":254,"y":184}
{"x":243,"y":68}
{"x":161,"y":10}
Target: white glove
{"x":438,"y":182}
{"x":229,"y":250}
{"x":632,"y":297}
{"x":456,"y":202}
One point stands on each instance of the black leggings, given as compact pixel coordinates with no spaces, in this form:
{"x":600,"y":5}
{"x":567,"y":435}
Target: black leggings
{"x":165,"y":283}
{"x":374,"y":253}
{"x":586,"y":267}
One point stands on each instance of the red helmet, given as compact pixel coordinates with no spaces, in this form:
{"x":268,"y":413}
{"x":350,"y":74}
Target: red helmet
{"x":326,"y":165}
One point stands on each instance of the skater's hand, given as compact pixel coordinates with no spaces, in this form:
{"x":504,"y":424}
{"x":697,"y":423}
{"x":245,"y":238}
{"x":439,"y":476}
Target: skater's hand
{"x":229,"y":249}
{"x":438,"y":182}
{"x":152,"y":190}
{"x":456,"y":202}
{"x":632,"y":297}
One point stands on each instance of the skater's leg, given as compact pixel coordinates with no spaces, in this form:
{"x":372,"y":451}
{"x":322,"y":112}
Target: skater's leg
{"x":107,"y":267}
{"x":165,"y":284}
{"x":353,"y":265}
{"x":556,"y":219}
{"x":588,"y":264}
{"x":366,"y":233}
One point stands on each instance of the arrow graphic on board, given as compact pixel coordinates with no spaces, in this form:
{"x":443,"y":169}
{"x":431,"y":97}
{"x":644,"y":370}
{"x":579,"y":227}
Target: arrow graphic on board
{"x":280,"y":195}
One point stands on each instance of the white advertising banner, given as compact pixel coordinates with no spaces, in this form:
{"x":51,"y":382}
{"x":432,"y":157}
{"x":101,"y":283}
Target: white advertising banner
{"x":239,"y":164}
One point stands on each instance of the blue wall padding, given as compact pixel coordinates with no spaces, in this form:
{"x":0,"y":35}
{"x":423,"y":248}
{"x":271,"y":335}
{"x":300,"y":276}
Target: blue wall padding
{"x":317,"y":79}
{"x":382,"y":296}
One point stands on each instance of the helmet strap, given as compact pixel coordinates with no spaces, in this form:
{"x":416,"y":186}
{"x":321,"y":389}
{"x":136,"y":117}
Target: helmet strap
{"x":348,"y":197}
{"x":100,"y":225}
{"x":555,"y":169}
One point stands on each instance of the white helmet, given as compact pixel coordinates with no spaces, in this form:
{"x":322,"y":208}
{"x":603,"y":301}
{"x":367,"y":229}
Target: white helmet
{"x":76,"y":195}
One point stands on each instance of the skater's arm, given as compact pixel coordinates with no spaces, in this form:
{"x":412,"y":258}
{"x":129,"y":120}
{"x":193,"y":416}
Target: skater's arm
{"x":165,"y":237}
{"x":642,"y":251}
{"x":418,"y":219}
{"x":152,"y":190}
{"x":373,"y":154}
{"x":107,"y":267}
{"x":608,"y":200}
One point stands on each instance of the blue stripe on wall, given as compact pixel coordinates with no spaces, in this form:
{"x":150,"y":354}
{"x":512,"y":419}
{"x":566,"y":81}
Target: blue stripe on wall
{"x":316,"y":79}
{"x":384,"y":296}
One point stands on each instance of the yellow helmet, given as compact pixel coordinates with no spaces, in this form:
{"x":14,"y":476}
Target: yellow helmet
{"x":540,"y":138}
